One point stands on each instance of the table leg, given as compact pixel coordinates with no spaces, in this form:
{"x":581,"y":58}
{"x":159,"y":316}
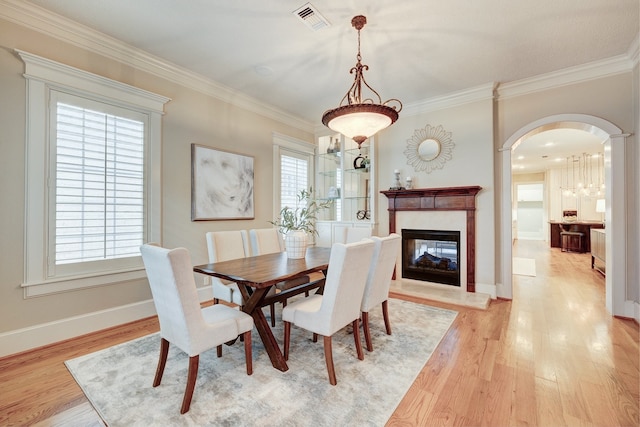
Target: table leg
{"x":253,"y":306}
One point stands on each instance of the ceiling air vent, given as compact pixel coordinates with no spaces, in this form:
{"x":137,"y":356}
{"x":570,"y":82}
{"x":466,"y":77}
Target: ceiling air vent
{"x":311,"y":17}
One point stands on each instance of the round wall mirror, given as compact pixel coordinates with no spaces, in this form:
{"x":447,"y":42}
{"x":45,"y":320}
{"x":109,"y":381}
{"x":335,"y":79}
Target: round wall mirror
{"x":429,"y":148}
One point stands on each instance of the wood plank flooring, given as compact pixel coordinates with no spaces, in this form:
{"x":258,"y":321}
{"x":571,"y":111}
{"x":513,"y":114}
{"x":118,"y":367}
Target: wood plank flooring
{"x":551,"y":357}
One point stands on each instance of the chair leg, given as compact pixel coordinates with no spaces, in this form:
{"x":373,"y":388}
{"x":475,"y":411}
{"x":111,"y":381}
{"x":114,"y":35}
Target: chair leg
{"x":164,"y":350}
{"x":385,"y":314}
{"x":247,"y":352}
{"x":216,"y":301}
{"x":272,"y":307}
{"x":191,"y":383}
{"x":315,"y":337}
{"x":287,"y":337}
{"x":356,"y":337}
{"x":328,"y":357}
{"x":367,"y":332}
{"x":219,"y":350}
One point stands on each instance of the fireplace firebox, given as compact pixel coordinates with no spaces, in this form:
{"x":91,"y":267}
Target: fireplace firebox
{"x":431,"y":255}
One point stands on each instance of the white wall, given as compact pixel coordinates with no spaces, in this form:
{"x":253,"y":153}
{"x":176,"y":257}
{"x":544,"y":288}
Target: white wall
{"x":471,"y":127}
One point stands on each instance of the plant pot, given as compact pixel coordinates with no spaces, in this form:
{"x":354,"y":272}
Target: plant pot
{"x":296,"y":244}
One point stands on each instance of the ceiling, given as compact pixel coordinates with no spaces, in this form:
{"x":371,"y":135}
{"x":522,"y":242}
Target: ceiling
{"x":416,"y":49}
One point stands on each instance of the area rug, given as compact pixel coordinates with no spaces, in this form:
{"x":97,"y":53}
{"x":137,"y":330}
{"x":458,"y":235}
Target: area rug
{"x":117,"y":381}
{"x":524,"y":266}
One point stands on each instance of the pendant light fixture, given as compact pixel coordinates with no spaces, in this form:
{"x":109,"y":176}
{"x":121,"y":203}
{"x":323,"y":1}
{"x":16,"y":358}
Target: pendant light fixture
{"x":358,"y":117}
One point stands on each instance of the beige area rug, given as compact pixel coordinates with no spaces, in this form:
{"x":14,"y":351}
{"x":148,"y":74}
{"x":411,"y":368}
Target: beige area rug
{"x":117,"y":381}
{"x":524,"y":266}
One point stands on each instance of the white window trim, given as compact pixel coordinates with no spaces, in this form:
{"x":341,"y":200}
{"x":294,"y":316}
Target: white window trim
{"x":42,"y":75}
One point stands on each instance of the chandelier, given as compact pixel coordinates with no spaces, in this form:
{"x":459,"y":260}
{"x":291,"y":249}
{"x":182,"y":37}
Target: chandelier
{"x":583,"y":176}
{"x":359,"y":117}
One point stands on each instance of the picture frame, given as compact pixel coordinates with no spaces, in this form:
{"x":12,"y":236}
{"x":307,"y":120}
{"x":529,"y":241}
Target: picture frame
{"x":221,"y":184}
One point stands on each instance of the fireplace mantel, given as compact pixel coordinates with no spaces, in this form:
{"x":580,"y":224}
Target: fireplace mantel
{"x":440,"y":199}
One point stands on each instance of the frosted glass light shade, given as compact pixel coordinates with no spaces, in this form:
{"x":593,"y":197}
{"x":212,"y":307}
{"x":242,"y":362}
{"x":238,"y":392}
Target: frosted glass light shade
{"x":360,"y":121}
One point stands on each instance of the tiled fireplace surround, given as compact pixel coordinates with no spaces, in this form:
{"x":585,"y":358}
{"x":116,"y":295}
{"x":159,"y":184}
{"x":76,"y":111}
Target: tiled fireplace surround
{"x":450,"y":208}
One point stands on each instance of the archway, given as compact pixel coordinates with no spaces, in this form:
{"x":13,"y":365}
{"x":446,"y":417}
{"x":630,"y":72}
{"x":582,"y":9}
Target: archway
{"x":615,"y":190}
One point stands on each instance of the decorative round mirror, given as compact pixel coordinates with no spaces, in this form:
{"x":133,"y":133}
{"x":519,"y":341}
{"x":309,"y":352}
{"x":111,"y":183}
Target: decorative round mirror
{"x":429,"y":148}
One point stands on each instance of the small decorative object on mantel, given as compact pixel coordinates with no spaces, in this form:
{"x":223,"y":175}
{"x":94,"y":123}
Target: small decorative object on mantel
{"x":429,"y":148}
{"x":296,"y":223}
{"x":397,"y":185}
{"x":409,"y":183}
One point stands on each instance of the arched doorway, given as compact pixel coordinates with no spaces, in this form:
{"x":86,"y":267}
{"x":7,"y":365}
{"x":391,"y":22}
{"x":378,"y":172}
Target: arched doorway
{"x":615,"y":190}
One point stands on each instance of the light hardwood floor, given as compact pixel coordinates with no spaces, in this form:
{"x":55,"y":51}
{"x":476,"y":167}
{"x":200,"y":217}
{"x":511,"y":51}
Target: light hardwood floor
{"x":551,"y":357}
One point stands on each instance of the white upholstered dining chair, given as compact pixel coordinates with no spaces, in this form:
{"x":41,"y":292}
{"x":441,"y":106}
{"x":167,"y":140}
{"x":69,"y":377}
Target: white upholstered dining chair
{"x":339,"y":305}
{"x":355,"y":234}
{"x":225,"y":246}
{"x":183,"y":322}
{"x":376,"y":291}
{"x":268,"y":241}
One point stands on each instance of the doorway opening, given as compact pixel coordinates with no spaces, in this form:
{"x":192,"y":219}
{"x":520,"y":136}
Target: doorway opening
{"x":615,"y":190}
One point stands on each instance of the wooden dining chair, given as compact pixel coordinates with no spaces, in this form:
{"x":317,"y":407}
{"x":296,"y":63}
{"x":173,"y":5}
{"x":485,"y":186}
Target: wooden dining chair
{"x":339,"y":305}
{"x":268,"y":241}
{"x":183,"y":322}
{"x":376,"y":291}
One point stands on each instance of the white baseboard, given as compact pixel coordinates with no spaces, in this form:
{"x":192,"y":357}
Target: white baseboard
{"x":490,"y":290}
{"x":632,"y":310}
{"x":24,"y":339}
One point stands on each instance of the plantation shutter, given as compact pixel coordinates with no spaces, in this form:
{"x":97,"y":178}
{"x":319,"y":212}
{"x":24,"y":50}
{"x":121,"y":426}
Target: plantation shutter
{"x":99,"y":185}
{"x":294,"y":176}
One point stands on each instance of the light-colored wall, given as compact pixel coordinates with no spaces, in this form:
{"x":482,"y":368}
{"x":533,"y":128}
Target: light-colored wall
{"x":190,"y":117}
{"x":472,"y":163}
{"x":610,"y":98}
{"x":634,"y":219}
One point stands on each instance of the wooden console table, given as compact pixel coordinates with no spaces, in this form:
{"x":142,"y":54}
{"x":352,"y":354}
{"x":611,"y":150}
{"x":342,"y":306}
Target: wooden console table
{"x":584,"y":227}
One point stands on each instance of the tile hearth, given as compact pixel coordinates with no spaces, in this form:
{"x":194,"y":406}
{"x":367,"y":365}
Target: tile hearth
{"x":442,"y":293}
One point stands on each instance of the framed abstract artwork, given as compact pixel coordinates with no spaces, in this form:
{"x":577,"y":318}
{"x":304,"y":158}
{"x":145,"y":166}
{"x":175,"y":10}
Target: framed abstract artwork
{"x":221,"y":185}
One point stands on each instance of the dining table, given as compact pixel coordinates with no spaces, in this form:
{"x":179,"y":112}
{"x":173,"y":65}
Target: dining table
{"x":256,"y":275}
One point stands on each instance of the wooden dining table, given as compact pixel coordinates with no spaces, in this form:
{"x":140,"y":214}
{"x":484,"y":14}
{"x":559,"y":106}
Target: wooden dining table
{"x":256,"y":275}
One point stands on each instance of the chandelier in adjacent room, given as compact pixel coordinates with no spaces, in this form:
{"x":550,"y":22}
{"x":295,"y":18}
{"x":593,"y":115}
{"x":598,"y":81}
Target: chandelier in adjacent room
{"x":583,"y":175}
{"x":358,"y":117}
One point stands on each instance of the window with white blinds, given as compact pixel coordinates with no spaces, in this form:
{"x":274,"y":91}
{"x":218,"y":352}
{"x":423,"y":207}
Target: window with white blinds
{"x":93,"y":181}
{"x":99,"y":185}
{"x":294,"y":176}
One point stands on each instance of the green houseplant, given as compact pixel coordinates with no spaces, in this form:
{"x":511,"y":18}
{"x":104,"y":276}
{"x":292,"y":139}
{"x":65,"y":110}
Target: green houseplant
{"x":297,"y":222}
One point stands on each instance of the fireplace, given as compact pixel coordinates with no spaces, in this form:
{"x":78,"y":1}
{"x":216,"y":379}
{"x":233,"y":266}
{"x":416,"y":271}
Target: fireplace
{"x":431,"y":255}
{"x":441,"y":199}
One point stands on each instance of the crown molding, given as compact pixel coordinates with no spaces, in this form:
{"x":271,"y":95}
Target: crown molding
{"x":46,"y":22}
{"x":474,"y":94}
{"x":567,"y":76}
{"x":43,"y":21}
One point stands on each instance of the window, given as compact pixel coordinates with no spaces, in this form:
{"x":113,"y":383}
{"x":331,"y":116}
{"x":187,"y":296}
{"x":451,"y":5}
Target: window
{"x":98,"y":171}
{"x":93,"y":158}
{"x":294,"y":176}
{"x":293,"y":170}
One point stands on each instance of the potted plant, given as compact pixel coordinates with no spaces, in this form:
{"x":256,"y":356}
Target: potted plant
{"x":296,"y":223}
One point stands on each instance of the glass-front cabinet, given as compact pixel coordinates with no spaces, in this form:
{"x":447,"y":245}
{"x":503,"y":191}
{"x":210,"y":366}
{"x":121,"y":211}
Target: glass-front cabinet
{"x":344,"y":174}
